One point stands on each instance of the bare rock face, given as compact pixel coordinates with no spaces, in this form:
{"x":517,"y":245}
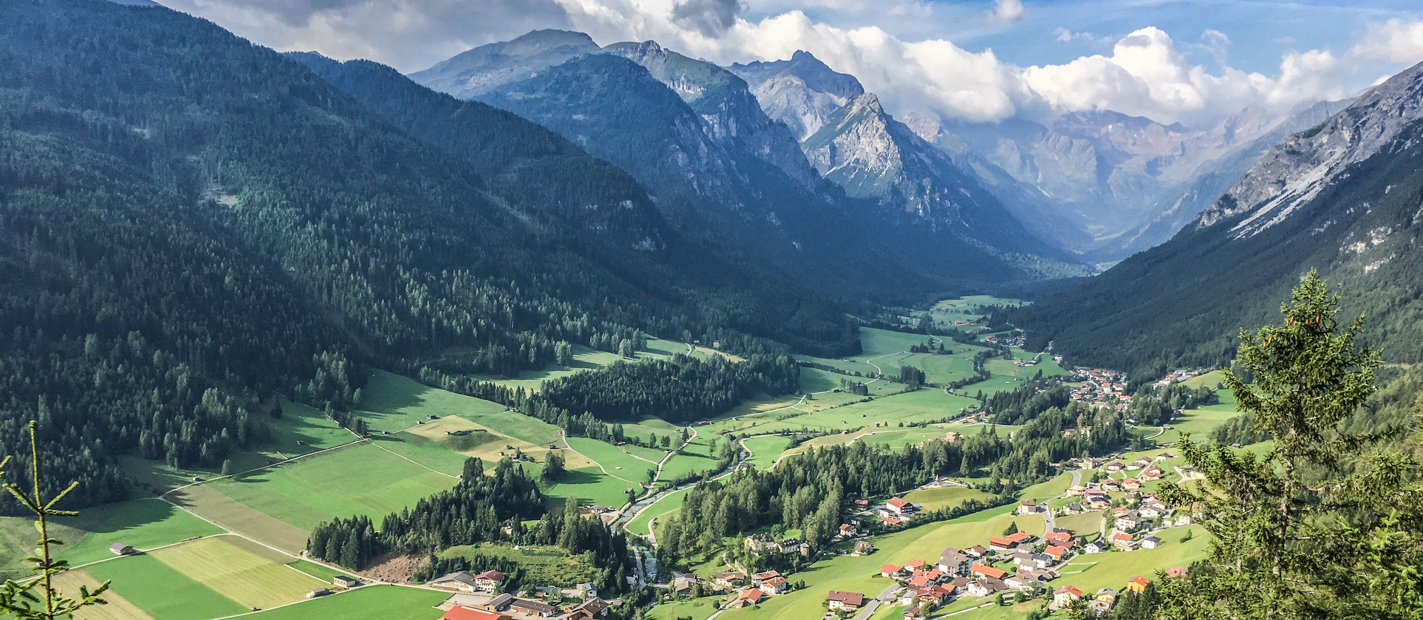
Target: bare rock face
{"x":1298,"y":169}
{"x":801,"y":92}
{"x":733,"y":117}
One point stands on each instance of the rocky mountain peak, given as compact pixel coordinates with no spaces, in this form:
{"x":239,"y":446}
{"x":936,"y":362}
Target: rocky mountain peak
{"x":1302,"y":166}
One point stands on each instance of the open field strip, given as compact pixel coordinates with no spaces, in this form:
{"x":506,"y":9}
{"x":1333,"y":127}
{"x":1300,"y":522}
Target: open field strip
{"x":586,"y":359}
{"x":238,"y":574}
{"x":116,"y":608}
{"x":162,"y":591}
{"x":943,"y":497}
{"x":372,"y":602}
{"x":229,"y":514}
{"x":361,"y":479}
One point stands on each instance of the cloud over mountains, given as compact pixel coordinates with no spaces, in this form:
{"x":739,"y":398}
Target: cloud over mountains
{"x":1146,"y":73}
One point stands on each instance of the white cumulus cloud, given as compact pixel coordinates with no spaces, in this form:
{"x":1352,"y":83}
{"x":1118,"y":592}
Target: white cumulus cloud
{"x":1143,"y":73}
{"x":1008,"y":11}
{"x":1396,"y":40}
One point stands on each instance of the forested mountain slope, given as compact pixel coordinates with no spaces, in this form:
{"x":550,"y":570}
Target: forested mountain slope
{"x":189,"y":222}
{"x":1345,"y":197}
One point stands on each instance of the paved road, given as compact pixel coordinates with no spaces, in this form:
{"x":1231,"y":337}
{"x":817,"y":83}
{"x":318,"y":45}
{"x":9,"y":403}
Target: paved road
{"x":884,"y":597}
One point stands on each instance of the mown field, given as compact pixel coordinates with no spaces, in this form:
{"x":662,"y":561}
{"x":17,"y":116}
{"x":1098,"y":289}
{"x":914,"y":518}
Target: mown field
{"x":237,"y":573}
{"x":943,"y":497}
{"x":162,"y":591}
{"x":364,"y":479}
{"x":377,"y":602}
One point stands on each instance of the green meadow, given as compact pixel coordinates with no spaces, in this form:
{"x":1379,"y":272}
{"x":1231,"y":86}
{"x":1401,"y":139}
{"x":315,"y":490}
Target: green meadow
{"x":363,"y":479}
{"x":140,"y":523}
{"x":162,"y":591}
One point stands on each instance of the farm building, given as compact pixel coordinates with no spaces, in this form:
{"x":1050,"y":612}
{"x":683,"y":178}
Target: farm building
{"x":122,"y":549}
{"x":845,"y":600}
{"x":344,"y":581}
{"x":462,"y":581}
{"x":592,"y":608}
{"x":534,"y":608}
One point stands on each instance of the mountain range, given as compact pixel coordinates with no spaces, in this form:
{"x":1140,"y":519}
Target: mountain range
{"x":698,"y":137}
{"x":1344,"y":197}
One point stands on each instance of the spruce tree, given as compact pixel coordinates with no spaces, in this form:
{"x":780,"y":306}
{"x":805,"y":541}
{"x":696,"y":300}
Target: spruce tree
{"x":1326,"y":523}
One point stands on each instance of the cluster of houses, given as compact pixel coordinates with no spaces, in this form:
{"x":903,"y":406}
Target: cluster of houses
{"x":896,"y":511}
{"x":765,"y":543}
{"x":969,"y":572}
{"x":476,"y":598}
{"x":1011,"y":341}
{"x":757,"y":586}
{"x":1101,"y":388}
{"x":1176,"y":377}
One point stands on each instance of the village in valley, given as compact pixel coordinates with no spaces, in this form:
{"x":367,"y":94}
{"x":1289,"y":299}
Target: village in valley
{"x":1001,"y":570}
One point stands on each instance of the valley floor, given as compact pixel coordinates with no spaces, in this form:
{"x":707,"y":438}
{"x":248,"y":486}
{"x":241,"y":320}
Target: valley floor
{"x":212,"y":546}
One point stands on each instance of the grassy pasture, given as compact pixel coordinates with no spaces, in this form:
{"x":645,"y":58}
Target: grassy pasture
{"x":618,"y":464}
{"x":361,"y":479}
{"x":590,"y":486}
{"x":696,"y":609}
{"x":764,"y":450}
{"x":238,"y":574}
{"x":1087,"y":524}
{"x":392,"y":403}
{"x":162,"y":591}
{"x":378,"y":602}
{"x":585,"y":359}
{"x":683,"y":464}
{"x":669,"y":503}
{"x":943,"y":497}
{"x":1113,"y":569}
{"x":142,"y":523}
{"x":316,"y":570}
{"x":1197,"y":423}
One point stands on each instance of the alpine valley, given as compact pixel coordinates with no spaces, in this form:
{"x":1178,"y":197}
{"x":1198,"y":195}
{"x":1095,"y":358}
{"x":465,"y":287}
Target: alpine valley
{"x":565,"y":328}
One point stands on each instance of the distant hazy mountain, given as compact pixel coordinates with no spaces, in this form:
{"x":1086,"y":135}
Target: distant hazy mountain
{"x":1100,"y":184}
{"x":483,"y":68}
{"x":1129,"y":182}
{"x":800,"y":92}
{"x":1342,"y":197}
